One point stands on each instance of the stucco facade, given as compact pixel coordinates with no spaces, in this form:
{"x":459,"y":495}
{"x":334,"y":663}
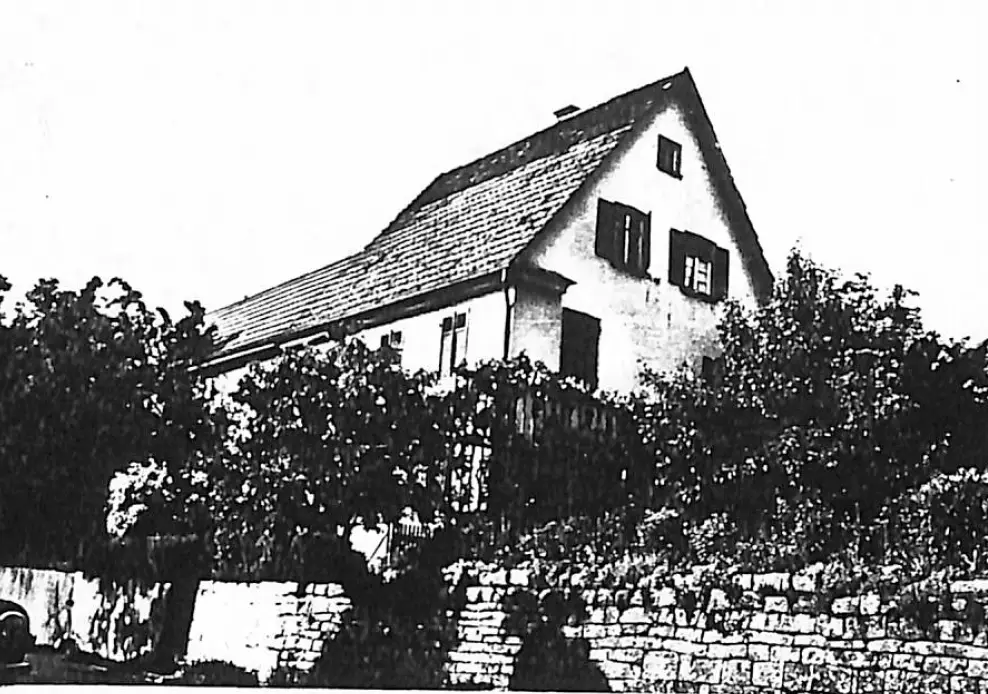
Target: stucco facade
{"x":603,"y":243}
{"x":643,"y":319}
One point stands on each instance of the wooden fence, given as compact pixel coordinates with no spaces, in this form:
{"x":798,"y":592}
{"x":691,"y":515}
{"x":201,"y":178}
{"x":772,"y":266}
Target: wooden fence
{"x":524,"y":457}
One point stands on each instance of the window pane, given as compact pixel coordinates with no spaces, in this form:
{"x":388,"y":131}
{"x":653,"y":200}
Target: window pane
{"x":459,"y":346}
{"x":445,"y":353}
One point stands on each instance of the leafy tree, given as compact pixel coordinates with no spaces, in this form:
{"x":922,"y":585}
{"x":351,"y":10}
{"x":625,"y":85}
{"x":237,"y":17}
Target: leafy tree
{"x":831,"y":400}
{"x":90,"y":381}
{"x":322,"y":441}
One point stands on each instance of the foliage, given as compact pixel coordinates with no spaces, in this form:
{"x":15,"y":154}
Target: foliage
{"x":832,"y":401}
{"x":216,"y":673}
{"x":397,"y":635}
{"x":321,"y":442}
{"x":90,"y":381}
{"x":547,"y":660}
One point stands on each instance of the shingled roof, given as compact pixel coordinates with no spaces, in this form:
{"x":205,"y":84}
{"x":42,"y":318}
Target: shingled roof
{"x":468,"y":223}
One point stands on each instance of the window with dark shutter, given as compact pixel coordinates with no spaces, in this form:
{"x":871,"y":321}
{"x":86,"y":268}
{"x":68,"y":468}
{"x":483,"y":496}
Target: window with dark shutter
{"x":670,"y":156}
{"x":623,"y":236}
{"x":580,"y":345}
{"x":697,"y":266}
{"x":453,"y":343}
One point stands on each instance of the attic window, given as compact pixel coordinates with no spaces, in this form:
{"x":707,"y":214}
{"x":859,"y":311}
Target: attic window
{"x":670,"y":156}
{"x":697,"y":266}
{"x":624,"y":236}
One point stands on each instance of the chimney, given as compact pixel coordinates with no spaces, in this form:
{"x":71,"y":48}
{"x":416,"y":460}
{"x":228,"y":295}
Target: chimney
{"x":565,"y":111}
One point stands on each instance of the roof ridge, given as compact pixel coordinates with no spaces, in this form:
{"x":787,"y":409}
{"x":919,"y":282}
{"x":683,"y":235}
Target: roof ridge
{"x":428,"y":195}
{"x":570,"y":119}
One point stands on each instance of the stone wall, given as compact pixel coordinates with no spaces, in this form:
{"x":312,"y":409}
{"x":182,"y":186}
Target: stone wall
{"x":121,"y":623}
{"x":780,"y":641}
{"x":264,"y":626}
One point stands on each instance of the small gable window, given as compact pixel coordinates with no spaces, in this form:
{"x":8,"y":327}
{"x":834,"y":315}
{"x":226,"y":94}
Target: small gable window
{"x":624,"y":236}
{"x":670,"y":156}
{"x":580,"y":345}
{"x":453,"y":343}
{"x":700,"y":268}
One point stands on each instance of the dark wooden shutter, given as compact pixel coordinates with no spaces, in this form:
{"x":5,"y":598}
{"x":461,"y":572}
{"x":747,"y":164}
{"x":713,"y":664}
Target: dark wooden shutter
{"x":646,"y":242}
{"x":580,"y":346}
{"x":677,"y":258}
{"x":721,"y":270}
{"x":606,"y":236}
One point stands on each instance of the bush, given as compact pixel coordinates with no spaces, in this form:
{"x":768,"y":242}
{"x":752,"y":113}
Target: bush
{"x":217,"y":673}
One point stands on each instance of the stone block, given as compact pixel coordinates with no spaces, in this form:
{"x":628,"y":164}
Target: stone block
{"x":977,"y":668}
{"x":944,"y":665}
{"x":660,"y":666}
{"x":627,"y":655}
{"x":844,"y":606}
{"x":689,"y":634}
{"x":963,"y":685}
{"x":870,"y":604}
{"x":520,"y":577}
{"x":775,"y":582}
{"x":613,"y":670}
{"x":910,"y":663}
{"x":813,"y":656}
{"x":772,"y":638}
{"x":759,"y":652}
{"x":736,"y":672}
{"x":785,"y":654}
{"x":684,"y":647}
{"x":724,"y":651}
{"x":767,"y":675}
{"x":776,"y":603}
{"x":803,"y":640}
{"x":700,"y":670}
{"x":634,"y":615}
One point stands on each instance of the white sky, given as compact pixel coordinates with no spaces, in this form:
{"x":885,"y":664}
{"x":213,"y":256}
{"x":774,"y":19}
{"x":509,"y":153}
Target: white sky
{"x":211,"y":149}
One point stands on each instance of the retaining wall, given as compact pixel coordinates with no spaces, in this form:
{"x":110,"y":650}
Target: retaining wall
{"x":122,"y":623}
{"x":264,"y":626}
{"x":777,"y":643}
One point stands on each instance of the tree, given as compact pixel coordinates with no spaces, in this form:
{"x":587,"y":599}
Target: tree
{"x":323,"y":441}
{"x":832,"y":400}
{"x":90,"y":381}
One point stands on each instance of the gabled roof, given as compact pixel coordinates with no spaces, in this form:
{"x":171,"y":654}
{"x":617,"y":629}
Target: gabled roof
{"x":468,"y":223}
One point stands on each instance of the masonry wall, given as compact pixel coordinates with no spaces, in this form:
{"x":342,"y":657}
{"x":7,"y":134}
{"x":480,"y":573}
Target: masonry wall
{"x":774,"y":639}
{"x":776,"y":644}
{"x":120,"y":624}
{"x":264,"y":626}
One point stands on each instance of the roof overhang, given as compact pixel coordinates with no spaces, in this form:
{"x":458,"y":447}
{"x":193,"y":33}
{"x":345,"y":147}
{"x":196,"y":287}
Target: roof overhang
{"x":350,"y":325}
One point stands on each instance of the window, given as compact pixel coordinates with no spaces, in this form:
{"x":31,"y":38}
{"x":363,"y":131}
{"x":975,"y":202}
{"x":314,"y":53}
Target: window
{"x":453,"y":344}
{"x":624,"y":236}
{"x":670,"y":156}
{"x":393,"y":341}
{"x":581,"y":338}
{"x":697,"y":266}
{"x":697,"y":274}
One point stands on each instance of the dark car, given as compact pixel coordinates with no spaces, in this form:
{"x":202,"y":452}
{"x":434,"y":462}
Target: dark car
{"x":15,"y":634}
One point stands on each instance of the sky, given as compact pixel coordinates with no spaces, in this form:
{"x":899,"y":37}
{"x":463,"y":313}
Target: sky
{"x":210,"y":149}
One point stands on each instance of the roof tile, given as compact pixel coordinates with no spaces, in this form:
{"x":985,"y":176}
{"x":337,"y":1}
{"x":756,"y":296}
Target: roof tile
{"x":468,"y":223}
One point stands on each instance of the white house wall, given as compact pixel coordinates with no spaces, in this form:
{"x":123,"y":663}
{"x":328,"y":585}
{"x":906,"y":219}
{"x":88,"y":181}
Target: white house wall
{"x":421,"y":335}
{"x":536,"y":326}
{"x":644,"y":319}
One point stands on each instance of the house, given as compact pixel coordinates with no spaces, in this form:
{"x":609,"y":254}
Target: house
{"x":600,"y":243}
